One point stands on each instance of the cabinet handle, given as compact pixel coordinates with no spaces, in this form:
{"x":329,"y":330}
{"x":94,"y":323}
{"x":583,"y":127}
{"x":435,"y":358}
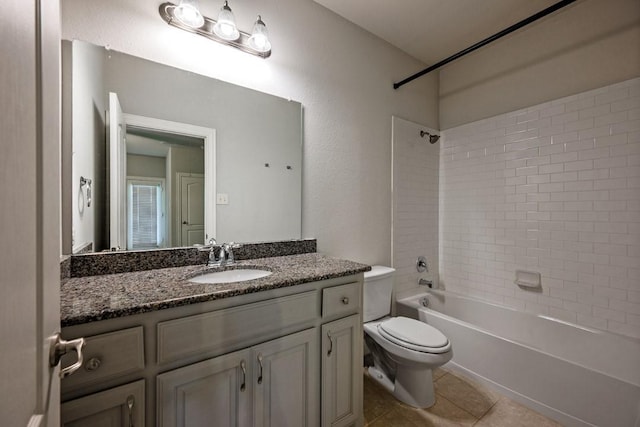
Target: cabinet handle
{"x":130,"y":402}
{"x":243,"y":366}
{"x":345,"y":300}
{"x":330,"y":344}
{"x":260,"y":364}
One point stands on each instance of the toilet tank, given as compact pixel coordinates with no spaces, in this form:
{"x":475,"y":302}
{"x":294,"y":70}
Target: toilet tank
{"x":378,"y":285}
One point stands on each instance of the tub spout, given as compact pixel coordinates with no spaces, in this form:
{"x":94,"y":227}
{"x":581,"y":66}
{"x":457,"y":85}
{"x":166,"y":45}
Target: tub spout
{"x":428,"y":283}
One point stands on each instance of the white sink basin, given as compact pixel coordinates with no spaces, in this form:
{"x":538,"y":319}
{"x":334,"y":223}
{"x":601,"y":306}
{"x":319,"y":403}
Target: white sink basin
{"x":229,"y":276}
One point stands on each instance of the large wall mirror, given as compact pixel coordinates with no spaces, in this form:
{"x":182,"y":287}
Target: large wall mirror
{"x":157,"y":157}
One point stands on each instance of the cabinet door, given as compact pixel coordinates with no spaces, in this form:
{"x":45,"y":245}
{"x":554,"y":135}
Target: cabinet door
{"x":119,"y":406}
{"x":213,"y":392}
{"x":286,"y":381}
{"x":341,"y":372}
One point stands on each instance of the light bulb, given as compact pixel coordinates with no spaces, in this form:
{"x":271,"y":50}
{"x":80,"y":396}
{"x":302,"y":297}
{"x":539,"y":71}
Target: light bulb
{"x":187,"y":12}
{"x":225,"y":26}
{"x":259,"y":39}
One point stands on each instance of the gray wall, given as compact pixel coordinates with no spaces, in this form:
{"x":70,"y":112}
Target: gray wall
{"x":146,"y":166}
{"x":87,"y":123}
{"x":587,"y":45}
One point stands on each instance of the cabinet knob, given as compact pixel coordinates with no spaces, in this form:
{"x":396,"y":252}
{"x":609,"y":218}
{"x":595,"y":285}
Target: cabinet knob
{"x":345,"y":300}
{"x":92,"y":364}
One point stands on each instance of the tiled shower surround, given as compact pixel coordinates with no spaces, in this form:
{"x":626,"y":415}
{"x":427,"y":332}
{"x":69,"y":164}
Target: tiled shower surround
{"x":553,"y":188}
{"x":415,"y":204}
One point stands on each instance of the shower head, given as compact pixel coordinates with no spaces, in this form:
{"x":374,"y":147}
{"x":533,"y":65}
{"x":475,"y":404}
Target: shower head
{"x":432,"y":138}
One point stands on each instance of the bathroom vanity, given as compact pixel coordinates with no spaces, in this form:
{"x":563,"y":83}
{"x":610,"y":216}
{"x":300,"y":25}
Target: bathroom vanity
{"x":283,"y":350}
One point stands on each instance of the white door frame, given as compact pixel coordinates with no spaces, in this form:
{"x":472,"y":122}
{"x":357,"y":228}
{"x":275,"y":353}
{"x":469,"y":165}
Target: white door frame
{"x":209,"y":137}
{"x":30,"y":211}
{"x":116,"y":130}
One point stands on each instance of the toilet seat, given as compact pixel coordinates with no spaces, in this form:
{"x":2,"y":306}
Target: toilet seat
{"x":414,"y":335}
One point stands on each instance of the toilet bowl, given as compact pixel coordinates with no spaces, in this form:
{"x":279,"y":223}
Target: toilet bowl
{"x":405,"y":351}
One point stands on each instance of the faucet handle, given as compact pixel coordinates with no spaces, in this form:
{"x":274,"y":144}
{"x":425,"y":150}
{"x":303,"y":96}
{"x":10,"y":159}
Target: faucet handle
{"x":210,"y":244}
{"x":229,"y":247}
{"x":233,"y":245}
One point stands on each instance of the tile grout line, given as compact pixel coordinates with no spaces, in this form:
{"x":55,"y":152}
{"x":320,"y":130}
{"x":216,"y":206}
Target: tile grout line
{"x":461,"y":408}
{"x":488,"y":410}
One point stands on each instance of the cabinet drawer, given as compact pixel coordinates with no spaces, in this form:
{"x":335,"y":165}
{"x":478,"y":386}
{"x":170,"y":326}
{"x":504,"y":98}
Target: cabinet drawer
{"x":107,"y":356}
{"x":221,"y":330}
{"x":118,"y":406}
{"x":341,"y":300}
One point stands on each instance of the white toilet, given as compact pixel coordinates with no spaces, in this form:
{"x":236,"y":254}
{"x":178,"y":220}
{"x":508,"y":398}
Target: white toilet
{"x":404,"y":350}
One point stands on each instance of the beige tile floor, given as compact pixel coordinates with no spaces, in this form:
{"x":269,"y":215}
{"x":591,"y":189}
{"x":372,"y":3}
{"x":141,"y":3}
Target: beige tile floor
{"x":459,"y":402}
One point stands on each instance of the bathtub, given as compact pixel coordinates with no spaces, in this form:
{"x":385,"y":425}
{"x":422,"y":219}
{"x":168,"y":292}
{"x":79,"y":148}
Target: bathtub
{"x":575,"y":375}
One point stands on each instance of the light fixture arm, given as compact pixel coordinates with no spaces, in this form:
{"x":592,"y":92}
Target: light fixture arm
{"x":167,"y":9}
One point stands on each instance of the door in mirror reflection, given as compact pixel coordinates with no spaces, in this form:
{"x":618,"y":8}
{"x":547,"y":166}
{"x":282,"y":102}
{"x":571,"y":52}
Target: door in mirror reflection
{"x":191,"y":200}
{"x":160,"y":166}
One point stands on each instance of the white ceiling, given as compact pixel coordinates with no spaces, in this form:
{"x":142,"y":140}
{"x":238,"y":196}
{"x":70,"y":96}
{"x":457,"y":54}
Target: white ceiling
{"x":432,"y":30}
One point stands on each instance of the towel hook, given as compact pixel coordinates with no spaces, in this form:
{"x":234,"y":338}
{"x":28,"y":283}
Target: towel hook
{"x":86,"y":181}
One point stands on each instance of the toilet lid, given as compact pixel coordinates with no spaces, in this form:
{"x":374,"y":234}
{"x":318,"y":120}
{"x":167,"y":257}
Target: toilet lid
{"x":413,"y":334}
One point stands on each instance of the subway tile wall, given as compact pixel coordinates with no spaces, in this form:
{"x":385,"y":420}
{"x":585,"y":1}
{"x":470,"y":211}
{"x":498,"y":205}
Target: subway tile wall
{"x":415,"y":205}
{"x":553,"y":188}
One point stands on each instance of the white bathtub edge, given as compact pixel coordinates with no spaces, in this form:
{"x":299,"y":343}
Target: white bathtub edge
{"x":549,"y":412}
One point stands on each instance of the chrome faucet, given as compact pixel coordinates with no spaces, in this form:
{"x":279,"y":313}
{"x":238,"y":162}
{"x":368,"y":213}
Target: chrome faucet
{"x":227,"y":249}
{"x":225,"y":253}
{"x":211,"y":247}
{"x":425,"y":282}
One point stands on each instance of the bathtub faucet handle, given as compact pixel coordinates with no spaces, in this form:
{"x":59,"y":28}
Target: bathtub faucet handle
{"x":421,"y":264}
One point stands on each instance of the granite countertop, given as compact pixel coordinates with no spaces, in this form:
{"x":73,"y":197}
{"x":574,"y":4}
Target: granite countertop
{"x":92,"y":298}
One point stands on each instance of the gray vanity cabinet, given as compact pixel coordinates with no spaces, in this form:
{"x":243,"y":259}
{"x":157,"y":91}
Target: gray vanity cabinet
{"x":117,"y":407}
{"x":286,"y":381}
{"x":277,"y":358}
{"x":269,"y":385}
{"x":216,"y":389}
{"x":341,"y":355}
{"x":341,"y":372}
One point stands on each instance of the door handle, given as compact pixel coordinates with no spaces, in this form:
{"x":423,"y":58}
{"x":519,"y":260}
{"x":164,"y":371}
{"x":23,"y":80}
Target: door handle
{"x":185,"y":223}
{"x":330,"y":343}
{"x":60,"y":347}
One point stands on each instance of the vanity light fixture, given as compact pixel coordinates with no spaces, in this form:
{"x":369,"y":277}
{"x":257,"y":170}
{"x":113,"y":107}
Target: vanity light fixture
{"x":189,"y":14}
{"x":185,"y":16}
{"x":225,"y":27}
{"x":259,"y":39}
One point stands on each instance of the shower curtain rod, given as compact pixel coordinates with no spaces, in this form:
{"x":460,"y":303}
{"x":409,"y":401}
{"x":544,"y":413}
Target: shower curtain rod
{"x":486,"y":41}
